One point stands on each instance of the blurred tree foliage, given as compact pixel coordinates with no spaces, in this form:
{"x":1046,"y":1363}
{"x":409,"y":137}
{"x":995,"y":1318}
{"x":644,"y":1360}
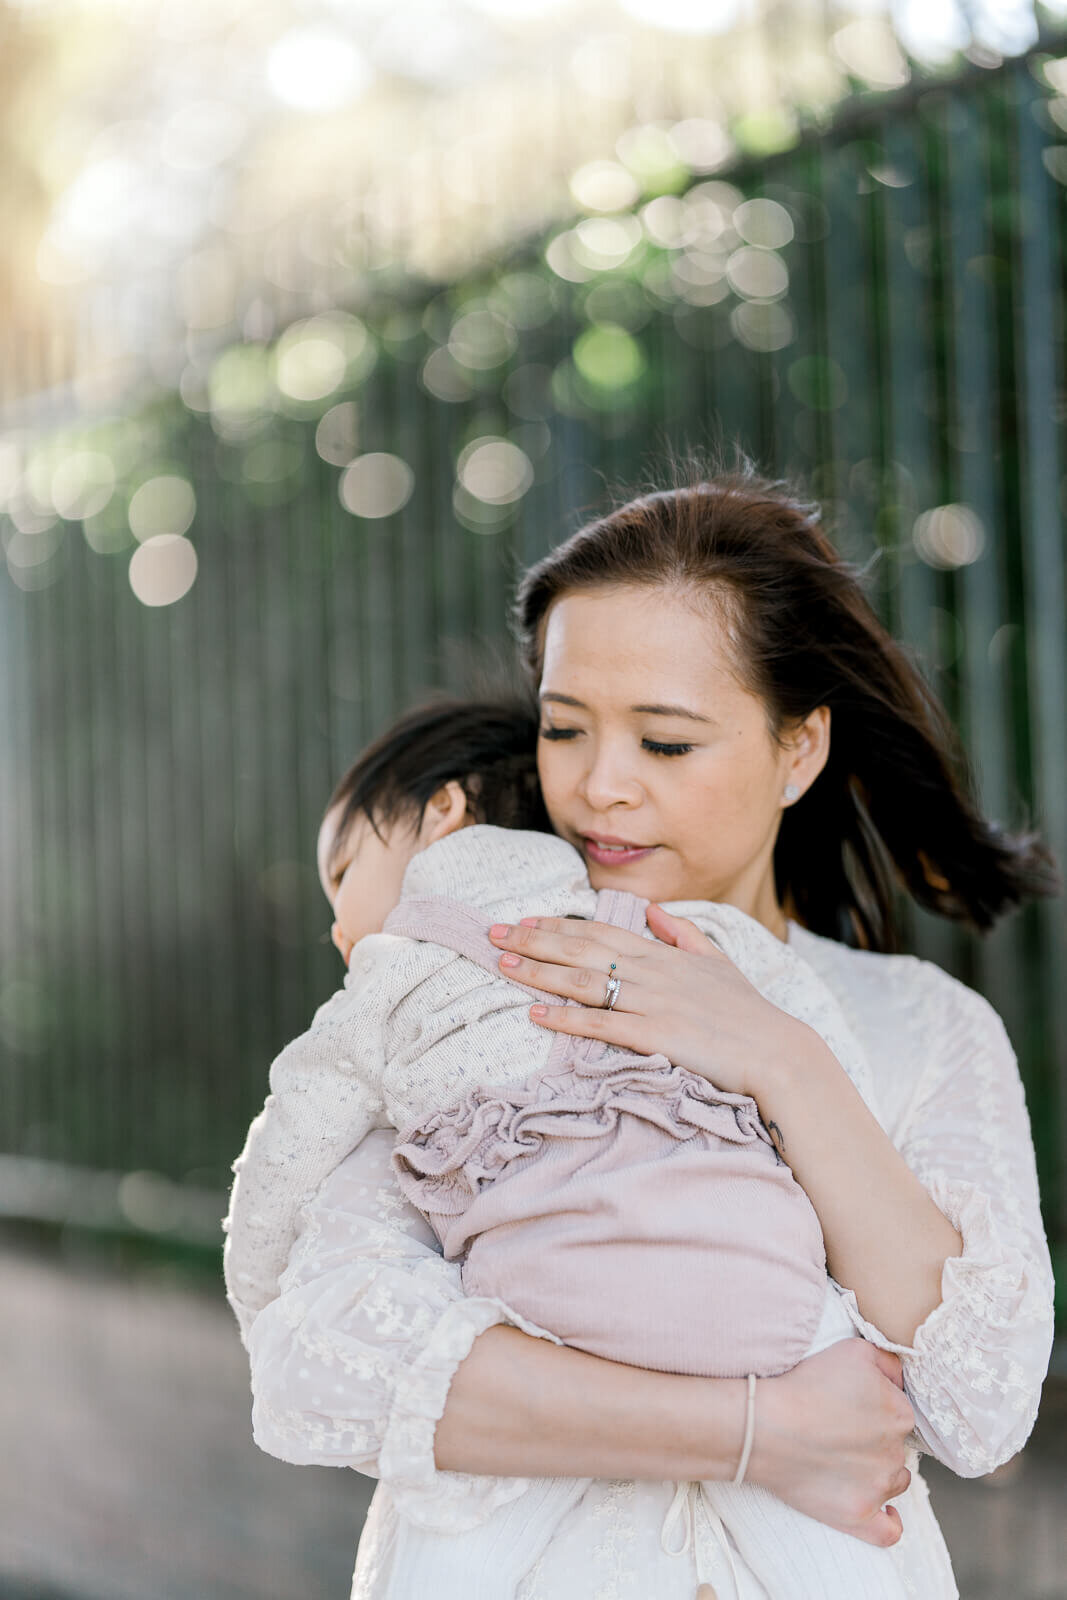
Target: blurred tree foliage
{"x":315,"y":527}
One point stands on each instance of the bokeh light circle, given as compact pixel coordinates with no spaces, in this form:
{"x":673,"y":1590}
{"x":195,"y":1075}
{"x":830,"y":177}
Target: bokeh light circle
{"x":309,"y":369}
{"x":702,"y":144}
{"x":240,"y":391}
{"x":482,"y":340}
{"x":29,"y":551}
{"x":337,"y":434}
{"x":316,"y":68}
{"x":868,"y":49}
{"x":763,"y":325}
{"x":765,"y":223}
{"x":376,"y":485}
{"x":162,"y":569}
{"x":604,"y":186}
{"x":315,"y":355}
{"x":608,"y":357}
{"x":82,"y":484}
{"x":602,"y":243}
{"x":664,"y":220}
{"x":166,"y":504}
{"x":444,"y":378}
{"x":949,"y":536}
{"x":494,"y":471}
{"x":757,"y":274}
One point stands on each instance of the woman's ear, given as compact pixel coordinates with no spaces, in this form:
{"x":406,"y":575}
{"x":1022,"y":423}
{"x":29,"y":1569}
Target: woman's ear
{"x":446,"y":812}
{"x":811,"y":748}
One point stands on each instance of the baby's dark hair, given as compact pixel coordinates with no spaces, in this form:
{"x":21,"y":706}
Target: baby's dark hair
{"x":489,"y":747}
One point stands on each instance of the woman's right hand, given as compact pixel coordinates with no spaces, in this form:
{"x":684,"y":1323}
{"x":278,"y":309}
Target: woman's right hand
{"x":830,"y":1439}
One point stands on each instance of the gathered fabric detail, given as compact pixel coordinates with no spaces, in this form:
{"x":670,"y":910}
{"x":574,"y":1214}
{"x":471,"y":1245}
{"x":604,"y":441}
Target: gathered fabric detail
{"x":610,"y":1179}
{"x":444,"y":1161}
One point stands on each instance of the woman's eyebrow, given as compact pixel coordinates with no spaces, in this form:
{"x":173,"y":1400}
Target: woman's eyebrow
{"x":671,"y":711}
{"x":649,"y":710}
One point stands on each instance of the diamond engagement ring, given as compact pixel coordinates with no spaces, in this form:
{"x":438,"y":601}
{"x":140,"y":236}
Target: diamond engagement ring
{"x":611,"y":992}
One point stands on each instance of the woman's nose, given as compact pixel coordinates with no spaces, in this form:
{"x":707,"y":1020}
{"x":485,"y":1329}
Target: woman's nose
{"x":607,"y":782}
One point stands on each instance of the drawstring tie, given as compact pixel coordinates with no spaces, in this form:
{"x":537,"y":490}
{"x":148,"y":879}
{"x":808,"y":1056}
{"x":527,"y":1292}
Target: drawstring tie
{"x":688,"y":1503}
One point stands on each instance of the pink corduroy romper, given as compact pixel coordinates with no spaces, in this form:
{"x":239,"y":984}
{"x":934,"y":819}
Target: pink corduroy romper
{"x":622,"y":1203}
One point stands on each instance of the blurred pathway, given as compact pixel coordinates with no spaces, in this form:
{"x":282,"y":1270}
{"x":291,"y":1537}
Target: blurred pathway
{"x":127,"y":1470}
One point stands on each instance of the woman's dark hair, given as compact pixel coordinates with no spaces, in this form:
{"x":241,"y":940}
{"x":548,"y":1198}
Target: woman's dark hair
{"x":896,"y":802}
{"x":488,"y":746}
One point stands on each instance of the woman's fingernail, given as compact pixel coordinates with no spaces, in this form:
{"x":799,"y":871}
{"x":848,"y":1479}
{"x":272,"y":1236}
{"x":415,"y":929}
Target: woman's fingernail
{"x":530,"y":922}
{"x":509,"y":961}
{"x":499,"y":930}
{"x":539,"y":1011}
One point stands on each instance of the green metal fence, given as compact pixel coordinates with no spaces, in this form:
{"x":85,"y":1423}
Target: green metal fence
{"x":889,"y":327}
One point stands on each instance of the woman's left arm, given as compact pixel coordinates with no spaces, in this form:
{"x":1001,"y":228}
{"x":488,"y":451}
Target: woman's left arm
{"x":886,"y":1238}
{"x":974,"y":1367}
{"x":940,"y":1239}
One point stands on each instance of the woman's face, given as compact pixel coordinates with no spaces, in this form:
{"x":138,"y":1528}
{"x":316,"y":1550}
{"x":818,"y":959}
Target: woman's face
{"x":655,"y":763}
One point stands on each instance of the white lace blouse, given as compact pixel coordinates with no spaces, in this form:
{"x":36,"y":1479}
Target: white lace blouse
{"x":352,"y":1362}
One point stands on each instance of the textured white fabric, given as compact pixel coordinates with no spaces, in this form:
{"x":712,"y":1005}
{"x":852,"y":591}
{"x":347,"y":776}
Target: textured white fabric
{"x":766,"y":1546}
{"x":352,"y":1360}
{"x":953,"y":1103}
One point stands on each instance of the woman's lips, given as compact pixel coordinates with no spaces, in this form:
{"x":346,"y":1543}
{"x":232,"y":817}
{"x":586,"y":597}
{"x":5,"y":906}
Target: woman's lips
{"x":608,"y":852}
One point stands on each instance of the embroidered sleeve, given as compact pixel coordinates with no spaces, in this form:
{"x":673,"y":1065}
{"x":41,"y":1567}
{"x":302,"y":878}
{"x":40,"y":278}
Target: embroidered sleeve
{"x":325,"y":1096}
{"x":352,"y":1362}
{"x":975,"y":1371}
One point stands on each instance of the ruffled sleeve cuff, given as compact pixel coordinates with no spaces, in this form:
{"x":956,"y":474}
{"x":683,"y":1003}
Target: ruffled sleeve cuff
{"x":443,"y":1501}
{"x":975,"y":1370}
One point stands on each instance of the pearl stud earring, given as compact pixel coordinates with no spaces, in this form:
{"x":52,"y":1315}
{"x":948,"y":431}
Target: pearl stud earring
{"x":791,"y":793}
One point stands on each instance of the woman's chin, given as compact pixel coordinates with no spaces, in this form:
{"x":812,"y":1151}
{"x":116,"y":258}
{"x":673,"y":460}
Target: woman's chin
{"x":647,"y":885}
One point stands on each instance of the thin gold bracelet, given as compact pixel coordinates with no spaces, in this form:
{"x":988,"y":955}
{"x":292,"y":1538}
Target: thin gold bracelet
{"x":750,"y":1430}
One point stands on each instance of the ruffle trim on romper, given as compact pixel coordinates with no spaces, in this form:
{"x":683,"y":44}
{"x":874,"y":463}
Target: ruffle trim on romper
{"x":444,"y":1160}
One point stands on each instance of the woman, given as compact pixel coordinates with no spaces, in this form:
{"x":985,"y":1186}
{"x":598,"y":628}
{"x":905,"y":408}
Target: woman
{"x":724,"y":719}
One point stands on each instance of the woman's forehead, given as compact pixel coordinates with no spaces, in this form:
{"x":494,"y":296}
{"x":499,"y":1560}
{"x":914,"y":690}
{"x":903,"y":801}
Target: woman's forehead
{"x":622,"y":640}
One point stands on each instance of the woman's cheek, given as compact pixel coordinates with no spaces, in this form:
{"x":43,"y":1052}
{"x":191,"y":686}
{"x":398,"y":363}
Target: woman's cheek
{"x":736,"y":811}
{"x":555,"y":785}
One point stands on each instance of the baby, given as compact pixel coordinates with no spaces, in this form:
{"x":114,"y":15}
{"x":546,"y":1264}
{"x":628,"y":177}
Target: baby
{"x":578,"y":1183}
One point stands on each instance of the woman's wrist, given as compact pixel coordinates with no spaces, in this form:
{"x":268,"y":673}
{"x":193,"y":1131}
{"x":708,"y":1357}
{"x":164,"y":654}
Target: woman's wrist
{"x":722,"y":1424}
{"x":522,"y":1407}
{"x":795,"y":1053}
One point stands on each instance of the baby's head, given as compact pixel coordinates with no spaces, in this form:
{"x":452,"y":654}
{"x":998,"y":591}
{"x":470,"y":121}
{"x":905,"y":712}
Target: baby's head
{"x":438,"y":768}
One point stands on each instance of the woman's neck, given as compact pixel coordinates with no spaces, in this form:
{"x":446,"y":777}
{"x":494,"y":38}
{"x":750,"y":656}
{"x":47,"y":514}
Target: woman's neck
{"x":756,"y":897}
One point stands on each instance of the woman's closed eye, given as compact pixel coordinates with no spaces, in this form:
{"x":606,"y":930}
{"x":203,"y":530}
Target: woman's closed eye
{"x":654,"y":746}
{"x":666,"y":749}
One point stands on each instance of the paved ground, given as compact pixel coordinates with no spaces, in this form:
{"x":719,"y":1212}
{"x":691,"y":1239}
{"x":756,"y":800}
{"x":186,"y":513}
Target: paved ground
{"x":127,"y":1470}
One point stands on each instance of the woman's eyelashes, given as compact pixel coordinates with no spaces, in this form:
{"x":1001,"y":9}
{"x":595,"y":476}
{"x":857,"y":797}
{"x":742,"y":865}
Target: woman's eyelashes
{"x":654,"y":746}
{"x":666,"y":749}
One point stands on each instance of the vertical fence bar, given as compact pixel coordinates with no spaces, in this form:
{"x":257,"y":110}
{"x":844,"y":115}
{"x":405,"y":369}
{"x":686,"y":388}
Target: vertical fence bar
{"x":975,"y":453}
{"x":1039,"y":323}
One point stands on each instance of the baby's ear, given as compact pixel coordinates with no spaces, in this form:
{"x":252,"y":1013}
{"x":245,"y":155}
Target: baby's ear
{"x":446,"y":812}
